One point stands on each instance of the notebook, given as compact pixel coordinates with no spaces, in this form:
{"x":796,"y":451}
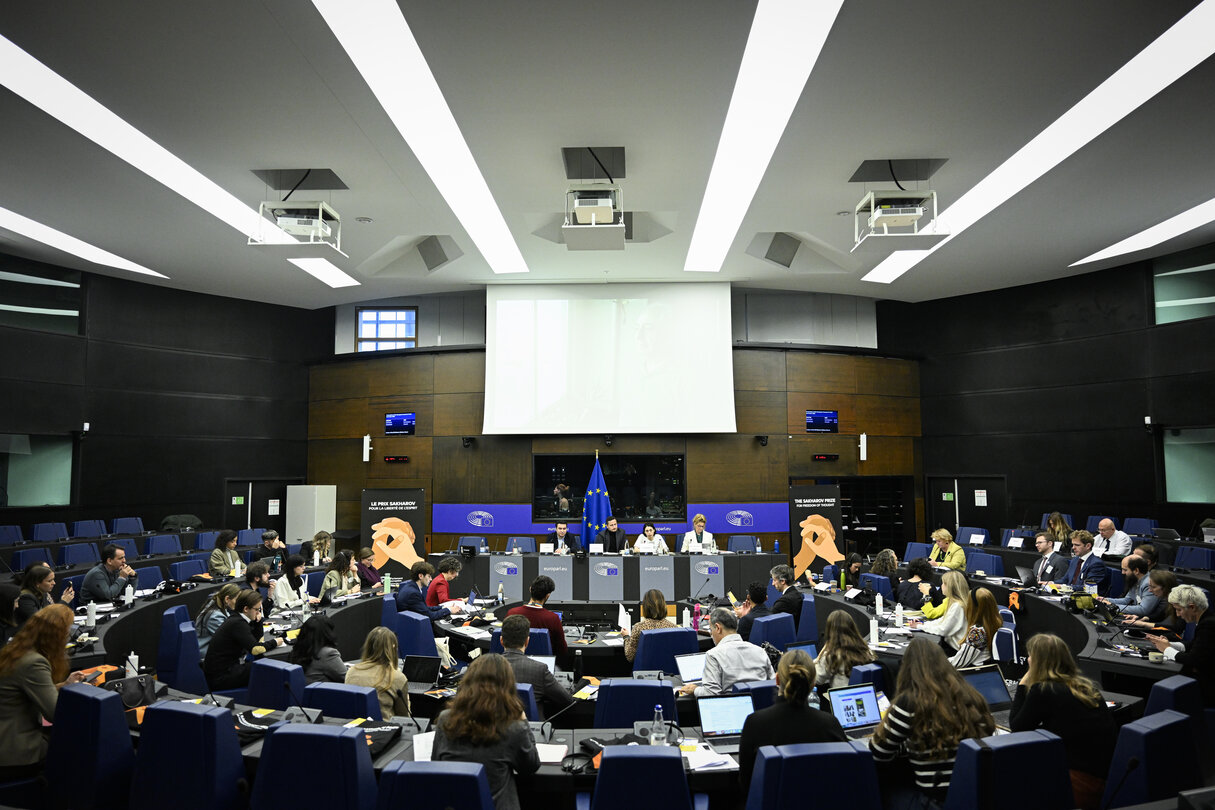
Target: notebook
{"x":989,"y":682}
{"x":691,"y":666}
{"x":856,"y":707}
{"x":721,"y":720}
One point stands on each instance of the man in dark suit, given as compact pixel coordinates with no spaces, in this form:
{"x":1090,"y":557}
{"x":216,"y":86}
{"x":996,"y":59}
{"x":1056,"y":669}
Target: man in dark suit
{"x":1086,"y":567}
{"x":790,"y":600}
{"x":562,"y":540}
{"x":551,"y":696}
{"x":611,"y":536}
{"x":412,"y":594}
{"x":1052,"y":565}
{"x":754,"y":607}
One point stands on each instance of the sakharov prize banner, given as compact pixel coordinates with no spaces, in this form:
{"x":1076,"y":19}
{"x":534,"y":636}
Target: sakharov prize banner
{"x":395,"y":525}
{"x":814,"y":524}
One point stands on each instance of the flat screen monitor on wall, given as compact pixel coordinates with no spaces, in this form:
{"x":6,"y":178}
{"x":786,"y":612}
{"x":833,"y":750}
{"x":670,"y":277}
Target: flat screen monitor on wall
{"x":641,"y":486}
{"x":399,"y":424}
{"x":1189,"y":465}
{"x":608,"y":358}
{"x":822,"y":421}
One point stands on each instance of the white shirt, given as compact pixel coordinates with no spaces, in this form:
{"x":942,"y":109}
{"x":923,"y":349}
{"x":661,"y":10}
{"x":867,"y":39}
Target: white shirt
{"x":951,"y":626}
{"x":1119,"y":544}
{"x":733,"y":661}
{"x":287,"y":599}
{"x":650,"y":545}
{"x":708,"y":546}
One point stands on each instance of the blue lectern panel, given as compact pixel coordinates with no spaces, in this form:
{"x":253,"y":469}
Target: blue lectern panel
{"x":705,"y":575}
{"x":657,"y":572}
{"x":509,"y":571}
{"x":561,"y":569}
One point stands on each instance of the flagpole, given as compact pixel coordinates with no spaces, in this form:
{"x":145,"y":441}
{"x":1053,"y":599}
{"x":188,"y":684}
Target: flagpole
{"x":596,"y":455}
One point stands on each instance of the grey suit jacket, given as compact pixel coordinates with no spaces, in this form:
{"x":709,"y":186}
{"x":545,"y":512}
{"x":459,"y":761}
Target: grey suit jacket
{"x":550,"y":695}
{"x":27,"y":694}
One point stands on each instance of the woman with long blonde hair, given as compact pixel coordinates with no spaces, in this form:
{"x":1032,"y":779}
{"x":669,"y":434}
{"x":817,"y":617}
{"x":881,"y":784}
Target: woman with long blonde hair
{"x":841,"y":647}
{"x":982,"y":622}
{"x":948,"y":620}
{"x":378,"y":669}
{"x":1054,"y":696}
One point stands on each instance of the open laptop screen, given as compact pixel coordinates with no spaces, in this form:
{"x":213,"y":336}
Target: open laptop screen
{"x":855,"y":706}
{"x":691,"y":666}
{"x":809,"y":647}
{"x":723,"y":716}
{"x":989,"y":682}
{"x":549,"y":661}
{"x":421,"y":669}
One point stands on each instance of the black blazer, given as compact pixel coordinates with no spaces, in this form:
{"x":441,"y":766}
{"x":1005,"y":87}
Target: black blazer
{"x":1056,"y":567}
{"x":570,"y":541}
{"x":745,"y":622}
{"x":234,"y":639}
{"x":1198,"y":660}
{"x":611,"y":542}
{"x":1088,"y":732}
{"x":783,"y":723}
{"x":550,"y":695}
{"x":790,"y":602}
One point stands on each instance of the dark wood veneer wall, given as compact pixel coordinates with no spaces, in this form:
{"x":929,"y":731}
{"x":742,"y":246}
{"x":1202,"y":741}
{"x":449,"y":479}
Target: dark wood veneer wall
{"x":773,"y":388}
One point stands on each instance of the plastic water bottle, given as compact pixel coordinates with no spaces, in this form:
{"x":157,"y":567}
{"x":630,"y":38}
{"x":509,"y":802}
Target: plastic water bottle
{"x":759,"y":545}
{"x":316,"y":559}
{"x":898,"y":614}
{"x":484,"y":545}
{"x":387,"y":579}
{"x":501,"y":594}
{"x":687,"y":618}
{"x":128,"y":595}
{"x":90,"y":615}
{"x":873,"y":631}
{"x":132,"y":665}
{"x":877,"y":604}
{"x":776,"y":546}
{"x":696,"y":617}
{"x":658,"y":728}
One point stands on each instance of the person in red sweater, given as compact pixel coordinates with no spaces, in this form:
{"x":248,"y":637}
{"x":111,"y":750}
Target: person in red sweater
{"x":439,"y":590}
{"x":539,"y":616}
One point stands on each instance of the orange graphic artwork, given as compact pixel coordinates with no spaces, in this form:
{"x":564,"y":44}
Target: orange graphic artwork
{"x":818,"y":540}
{"x":393,"y":539}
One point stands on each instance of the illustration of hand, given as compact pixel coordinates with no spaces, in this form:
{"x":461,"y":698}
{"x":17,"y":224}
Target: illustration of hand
{"x":393,"y":539}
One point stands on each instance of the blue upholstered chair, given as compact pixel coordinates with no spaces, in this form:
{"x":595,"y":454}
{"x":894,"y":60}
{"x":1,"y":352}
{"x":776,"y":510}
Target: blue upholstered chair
{"x":741,"y":543}
{"x":48,"y":532}
{"x":74,"y":554}
{"x":1181,"y":694}
{"x":26,"y":556}
{"x":965,"y":533}
{"x":434,"y":786}
{"x":88,"y":528}
{"x":621,"y":702}
{"x":916,"y":550}
{"x":777,"y":629}
{"x":656,"y":649}
{"x":127,"y":544}
{"x":343,"y":700}
{"x":807,"y":624}
{"x":166,"y":648}
{"x":527,"y":696}
{"x":1163,"y":745}
{"x":275,"y":684}
{"x":189,"y":759}
{"x":992,"y":775}
{"x":187,"y":669}
{"x":659,"y":768}
{"x":415,"y":634}
{"x":348,"y":782}
{"x":163,"y":544}
{"x":182,"y":571}
{"x":11,"y":535}
{"x":249,"y":537}
{"x":1201,"y":559}
{"x":1140,"y":526}
{"x":1095,"y":520}
{"x":524,"y":545}
{"x":878,"y":583}
{"x":91,"y":750}
{"x":128,"y":525}
{"x":836,"y":774}
{"x":870,"y":673}
{"x":763,"y":693}
{"x":150,"y":577}
{"x":539,"y":642}
{"x":475,"y":543}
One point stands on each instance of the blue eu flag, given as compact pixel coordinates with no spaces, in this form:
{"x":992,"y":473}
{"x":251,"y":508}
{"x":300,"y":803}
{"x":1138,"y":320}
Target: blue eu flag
{"x":596,"y":507}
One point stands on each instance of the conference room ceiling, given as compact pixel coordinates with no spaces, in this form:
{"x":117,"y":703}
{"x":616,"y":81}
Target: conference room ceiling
{"x":234,"y":86}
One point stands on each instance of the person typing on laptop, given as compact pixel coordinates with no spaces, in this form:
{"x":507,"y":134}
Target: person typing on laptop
{"x":439,"y":590}
{"x":1139,"y":599}
{"x":410,"y":595}
{"x":550,"y":695}
{"x":731,"y":660}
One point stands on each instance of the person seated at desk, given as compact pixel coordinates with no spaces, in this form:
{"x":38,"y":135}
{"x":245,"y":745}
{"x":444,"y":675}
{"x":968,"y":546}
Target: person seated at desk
{"x":538,"y":615}
{"x":612,"y":537}
{"x":379,"y":669}
{"x":1059,"y":530}
{"x":550,"y":695}
{"x":341,"y":577}
{"x":257,"y":578}
{"x":106,"y":581}
{"x":409,"y":595}
{"x":731,"y":660}
{"x":1052,"y":564}
{"x":1086,"y":568}
{"x":790,"y":719}
{"x":852,"y":571}
{"x":563,"y":542}
{"x":439,"y":590}
{"x":289,"y":591}
{"x":224,"y":557}
{"x":886,"y":564}
{"x":319,"y":547}
{"x":698,"y":538}
{"x":8,"y":611}
{"x":945,"y":552}
{"x":653,"y":617}
{"x":1139,"y":599}
{"x":1149,"y":553}
{"x":315,"y":649}
{"x":753,"y":607}
{"x":948,"y":620}
{"x":917,"y":590}
{"x":369,"y":576}
{"x":213,"y":615}
{"x":36,"y":586}
{"x":1160,"y":584}
{"x":790,"y":600}
{"x":1111,"y":541}
{"x":240,"y":636}
{"x":1054,"y":696}
{"x":271,"y":551}
{"x":982,"y":622}
{"x":1197,"y":657}
{"x":33,"y":668}
{"x":841,"y":647}
{"x":485,"y":723}
{"x":650,"y":542}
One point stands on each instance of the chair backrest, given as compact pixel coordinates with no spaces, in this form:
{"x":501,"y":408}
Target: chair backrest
{"x":831,"y":573}
{"x":1007,"y":617}
{"x":539,"y":642}
{"x":807,"y":625}
{"x":870,"y":673}
{"x":1066,"y":517}
{"x":763,"y":693}
{"x":777,"y":629}
{"x":185,"y":569}
{"x":965,"y":533}
{"x":76,"y":581}
{"x":205,"y":540}
{"x":343,"y":700}
{"x":24,"y":556}
{"x":525,"y":545}
{"x":879,"y":583}
{"x":128,"y":525}
{"x":916,"y":550}
{"x":349,"y":781}
{"x":853,"y":781}
{"x":765,"y":778}
{"x":472,"y":542}
{"x":435,"y":786}
{"x":741,"y":542}
{"x":656,"y":649}
{"x":127,"y":544}
{"x":659,"y":768}
{"x":79,"y":554}
{"x":1140,"y":526}
{"x":1095,"y":520}
{"x":992,"y":774}
{"x":150,"y":577}
{"x":11,"y":535}
{"x":90,"y":749}
{"x":88,"y":528}
{"x":415,"y":635}
{"x":1167,"y":760}
{"x":275,"y":684}
{"x":46,"y":532}
{"x":1117,"y":583}
{"x":248,"y":537}
{"x":527,"y":696}
{"x":203,"y":557}
{"x":1202,"y":559}
{"x":1181,"y":694}
{"x":164,"y":544}
{"x":1004,"y":645}
{"x":166,"y":650}
{"x":189,"y":758}
{"x":621,"y":702}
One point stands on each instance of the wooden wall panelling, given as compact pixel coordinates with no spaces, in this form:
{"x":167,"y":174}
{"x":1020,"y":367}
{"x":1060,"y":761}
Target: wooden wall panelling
{"x":337,"y":418}
{"x":459,"y":373}
{"x":402,"y":375}
{"x":888,"y":455}
{"x":810,"y":371}
{"x":887,"y":416}
{"x":724,"y":468}
{"x":761,"y":412}
{"x":422,"y":406}
{"x":759,"y":370}
{"x":340,"y":462}
{"x":803,"y":448}
{"x":621,"y":444}
{"x":799,"y":403}
{"x":495,"y":469}
{"x":418,"y":448}
{"x":887,"y":376}
{"x":459,"y":414}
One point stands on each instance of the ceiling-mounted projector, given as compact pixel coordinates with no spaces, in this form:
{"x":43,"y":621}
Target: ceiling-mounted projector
{"x":593,"y":211}
{"x":314,"y":222}
{"x":894,"y":213}
{"x":594,"y":218}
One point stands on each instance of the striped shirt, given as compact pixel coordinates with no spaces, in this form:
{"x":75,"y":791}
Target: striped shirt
{"x":930,"y":774}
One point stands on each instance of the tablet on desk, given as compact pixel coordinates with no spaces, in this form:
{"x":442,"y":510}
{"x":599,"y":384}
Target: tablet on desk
{"x":691,"y":666}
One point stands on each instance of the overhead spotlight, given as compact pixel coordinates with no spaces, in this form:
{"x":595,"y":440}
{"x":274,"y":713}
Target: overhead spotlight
{"x":608,"y":439}
{"x":467,"y":441}
{"x":763,"y":440}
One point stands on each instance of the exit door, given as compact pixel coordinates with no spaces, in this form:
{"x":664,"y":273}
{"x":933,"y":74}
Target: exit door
{"x":968,"y":500}
{"x":257,"y":503}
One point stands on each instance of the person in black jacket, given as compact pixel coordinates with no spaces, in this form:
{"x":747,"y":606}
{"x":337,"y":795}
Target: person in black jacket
{"x":550,"y":696}
{"x":1197,"y":657}
{"x":239,"y":636}
{"x":788,"y":720}
{"x":36,"y":586}
{"x":753,"y":608}
{"x":918,"y":590}
{"x":611,"y":536}
{"x":790,"y":600}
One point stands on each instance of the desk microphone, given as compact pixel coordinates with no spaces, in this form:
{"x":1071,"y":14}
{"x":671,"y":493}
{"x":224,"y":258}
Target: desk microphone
{"x":214,"y":700}
{"x":545,"y":727}
{"x":289,"y":717}
{"x":696,"y":595}
{"x":1131,"y":764}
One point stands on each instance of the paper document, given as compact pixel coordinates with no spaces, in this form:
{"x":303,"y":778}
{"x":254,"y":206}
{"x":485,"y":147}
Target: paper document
{"x":701,"y":759}
{"x":551,"y":753}
{"x":623,"y":619}
{"x":423,"y":744}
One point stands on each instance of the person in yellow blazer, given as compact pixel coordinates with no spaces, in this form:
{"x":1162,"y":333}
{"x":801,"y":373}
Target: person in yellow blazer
{"x":947,"y":553}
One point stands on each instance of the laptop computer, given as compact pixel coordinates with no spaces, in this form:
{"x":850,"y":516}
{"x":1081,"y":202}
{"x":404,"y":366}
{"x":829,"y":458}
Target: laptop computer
{"x":422,"y":672}
{"x":856,"y":707}
{"x":1027,"y":576}
{"x":691,"y":666}
{"x":810,"y":647}
{"x":989,"y":682}
{"x":1166,"y":534}
{"x":721,"y":720}
{"x":549,"y":661}
{"x":327,"y":597}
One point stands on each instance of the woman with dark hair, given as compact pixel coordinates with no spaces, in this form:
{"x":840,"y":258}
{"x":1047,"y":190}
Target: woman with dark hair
{"x":650,"y":541}
{"x":315,"y":650}
{"x":917,"y":590}
{"x":790,"y":719}
{"x":8,"y":611}
{"x":485,"y":724}
{"x":653,"y":617}
{"x":36,"y":586}
{"x":886,"y":564}
{"x":214,"y":614}
{"x":240,"y":636}
{"x":852,"y":571}
{"x":1054,"y":696}
{"x":841,"y":648}
{"x":378,"y":669}
{"x":290,"y":591}
{"x":369,"y":577}
{"x":341,"y":576}
{"x":982,"y":622}
{"x":933,"y":711}
{"x":33,"y":668}
{"x":1060,"y":532}
{"x":1163,"y":619}
{"x":224,"y":560}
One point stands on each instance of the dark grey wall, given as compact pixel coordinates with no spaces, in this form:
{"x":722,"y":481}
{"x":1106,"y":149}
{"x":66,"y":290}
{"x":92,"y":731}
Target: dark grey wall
{"x":1049,"y":383}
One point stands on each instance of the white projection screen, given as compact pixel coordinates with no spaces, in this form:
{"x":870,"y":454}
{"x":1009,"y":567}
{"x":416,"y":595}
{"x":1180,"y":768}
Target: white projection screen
{"x":608,"y":358}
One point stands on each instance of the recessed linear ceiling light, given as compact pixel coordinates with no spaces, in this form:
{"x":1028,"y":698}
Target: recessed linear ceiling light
{"x":324,"y":270}
{"x":785,"y":41}
{"x":10,"y":220}
{"x":59,"y":98}
{"x":1184,"y":222}
{"x":1173,"y":54}
{"x":382,"y":47}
